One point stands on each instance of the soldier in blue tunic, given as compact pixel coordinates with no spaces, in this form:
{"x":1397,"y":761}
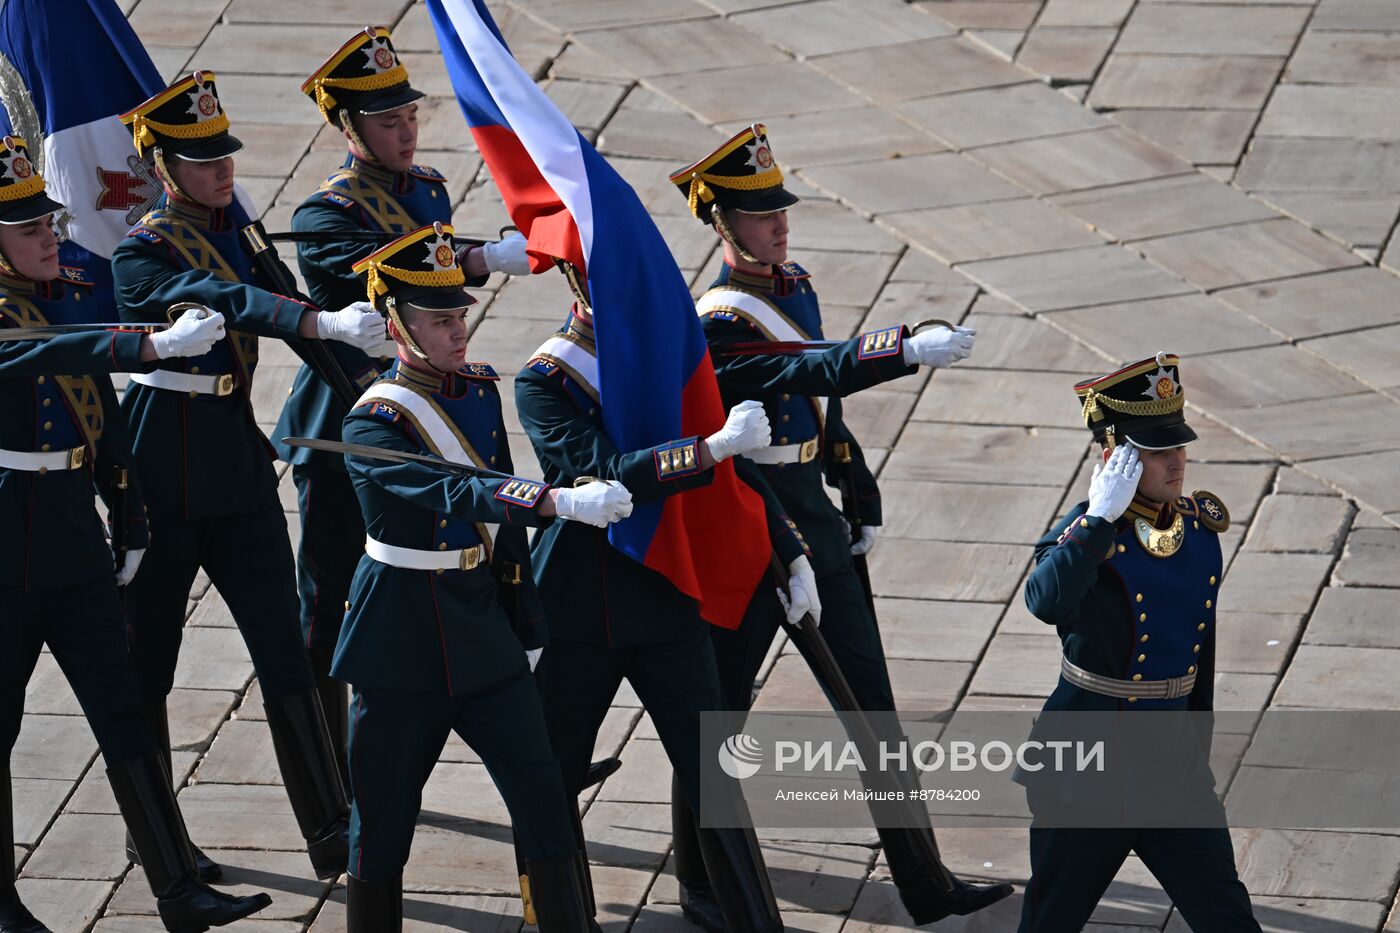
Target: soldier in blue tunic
{"x":1129,"y":579}
{"x":761,"y":296}
{"x":61,"y":436}
{"x":445,"y":622}
{"x":207,"y":468}
{"x":363,"y":91}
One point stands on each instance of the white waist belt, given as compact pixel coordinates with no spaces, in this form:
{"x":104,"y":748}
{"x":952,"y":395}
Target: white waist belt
{"x":788,"y":453}
{"x":413,"y":559}
{"x":43,"y":461}
{"x":219,"y":385}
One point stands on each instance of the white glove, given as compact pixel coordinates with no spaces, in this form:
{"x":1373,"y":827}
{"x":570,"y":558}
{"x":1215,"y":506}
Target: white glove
{"x":745,"y":430}
{"x":130,"y":563}
{"x":1114,"y":483}
{"x":598,"y":504}
{"x":866,"y":542}
{"x":508,"y":255}
{"x":358,"y":325}
{"x":194,"y":333}
{"x":532,"y":655}
{"x":802,"y":584}
{"x":938,"y":346}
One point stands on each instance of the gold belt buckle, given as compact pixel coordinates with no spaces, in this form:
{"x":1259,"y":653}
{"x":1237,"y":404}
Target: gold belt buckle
{"x":808,"y":451}
{"x":77,"y":457}
{"x":223,"y":384}
{"x":469,"y":557}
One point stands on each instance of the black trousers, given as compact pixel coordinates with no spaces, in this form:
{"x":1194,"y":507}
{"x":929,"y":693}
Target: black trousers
{"x":395,"y":740}
{"x":84,"y":627}
{"x":846,"y":624}
{"x":249,"y":560}
{"x":675,"y":681}
{"x":332,"y":543}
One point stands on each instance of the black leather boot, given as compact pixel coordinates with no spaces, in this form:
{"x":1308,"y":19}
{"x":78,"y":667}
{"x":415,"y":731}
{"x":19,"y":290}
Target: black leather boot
{"x":206,"y":869}
{"x":739,"y":880}
{"x":147,"y":802}
{"x":335,"y":706}
{"x":14,"y":916}
{"x":312,"y":779}
{"x":927,"y":888}
{"x":373,"y":906}
{"x":599,"y":771}
{"x":559,"y":889}
{"x":697,"y":899}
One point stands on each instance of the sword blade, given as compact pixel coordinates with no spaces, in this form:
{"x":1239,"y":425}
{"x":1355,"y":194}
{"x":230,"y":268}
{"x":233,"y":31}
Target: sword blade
{"x":777,"y":347}
{"x":392,"y":456}
{"x":50,"y":331}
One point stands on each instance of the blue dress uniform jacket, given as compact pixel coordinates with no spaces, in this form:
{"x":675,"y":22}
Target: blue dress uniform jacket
{"x":356,"y":198}
{"x":593,"y":592}
{"x":1122,"y":612}
{"x":442,"y":632}
{"x":1104,"y":592}
{"x":792,"y":389}
{"x":177,"y":253}
{"x":52,"y":532}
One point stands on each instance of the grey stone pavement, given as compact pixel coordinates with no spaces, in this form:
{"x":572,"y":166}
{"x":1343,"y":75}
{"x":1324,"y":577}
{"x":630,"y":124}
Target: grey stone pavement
{"x":1086,"y":182}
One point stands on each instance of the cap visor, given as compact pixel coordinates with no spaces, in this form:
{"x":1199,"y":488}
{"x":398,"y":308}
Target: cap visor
{"x":766,"y":201}
{"x":388,"y":99}
{"x":1165,"y":437}
{"x":27,"y":209}
{"x":209,"y":150}
{"x":446,"y":299}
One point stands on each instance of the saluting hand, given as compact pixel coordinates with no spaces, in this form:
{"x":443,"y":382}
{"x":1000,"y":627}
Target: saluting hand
{"x":1114,"y":483}
{"x":745,"y":430}
{"x":938,"y":346}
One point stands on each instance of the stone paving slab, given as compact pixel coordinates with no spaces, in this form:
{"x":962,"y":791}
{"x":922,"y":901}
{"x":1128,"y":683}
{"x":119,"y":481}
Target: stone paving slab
{"x":999,"y":115}
{"x":1056,"y":164}
{"x":1280,"y":163}
{"x":1271,"y":249}
{"x":723,"y":95}
{"x":988,"y":231}
{"x":1161,"y":207}
{"x":918,"y":69}
{"x":922,"y":181}
{"x":1173,"y":29}
{"x":1069,"y":54}
{"x":1313,"y":305}
{"x":1076,"y":277}
{"x":829,"y":26}
{"x":1205,"y":137}
{"x":1206,"y":82}
{"x":1246,"y":379}
{"x":1188,"y":324}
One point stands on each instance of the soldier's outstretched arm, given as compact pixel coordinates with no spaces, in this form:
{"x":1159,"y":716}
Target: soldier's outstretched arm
{"x":76,"y":354}
{"x":575,"y":445}
{"x":849,"y":367}
{"x":483,"y":499}
{"x":149,"y":280}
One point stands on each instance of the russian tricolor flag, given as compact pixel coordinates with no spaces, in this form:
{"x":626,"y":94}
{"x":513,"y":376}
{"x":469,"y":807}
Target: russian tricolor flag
{"x":655,"y":377}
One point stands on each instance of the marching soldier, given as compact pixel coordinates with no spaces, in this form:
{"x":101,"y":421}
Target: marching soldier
{"x":613,"y":618}
{"x":61,"y":436}
{"x":363,"y":91}
{"x":1129,"y":579}
{"x":760,"y":296}
{"x":207,"y":468}
{"x":445,"y":622}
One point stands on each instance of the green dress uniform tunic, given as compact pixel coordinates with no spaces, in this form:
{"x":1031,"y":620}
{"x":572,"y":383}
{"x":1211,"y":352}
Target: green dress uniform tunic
{"x":1127,"y":614}
{"x":207,"y":468}
{"x":802,"y":397}
{"x":57,"y":583}
{"x":358,"y":197}
{"x":429,"y":652}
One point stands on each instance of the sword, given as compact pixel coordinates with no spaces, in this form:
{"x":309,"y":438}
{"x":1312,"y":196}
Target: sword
{"x":392,"y":456}
{"x":49,"y":331}
{"x":794,"y":347}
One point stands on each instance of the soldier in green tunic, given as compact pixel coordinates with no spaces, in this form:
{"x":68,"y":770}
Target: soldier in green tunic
{"x":61,"y":436}
{"x":363,"y":91}
{"x":206,"y":466}
{"x":759,"y":295}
